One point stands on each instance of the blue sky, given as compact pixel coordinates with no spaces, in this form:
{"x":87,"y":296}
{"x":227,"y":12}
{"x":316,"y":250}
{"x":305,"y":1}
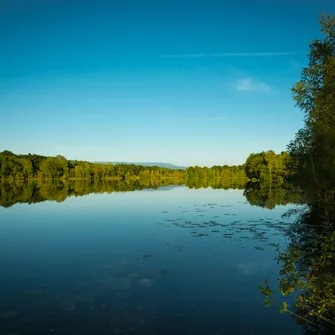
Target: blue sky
{"x":185,"y":82}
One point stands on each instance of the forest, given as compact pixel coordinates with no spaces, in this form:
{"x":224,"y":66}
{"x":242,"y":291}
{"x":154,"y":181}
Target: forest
{"x":31,"y":166}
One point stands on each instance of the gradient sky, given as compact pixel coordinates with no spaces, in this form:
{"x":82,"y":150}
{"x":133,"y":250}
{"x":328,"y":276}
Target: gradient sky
{"x":184,"y":82}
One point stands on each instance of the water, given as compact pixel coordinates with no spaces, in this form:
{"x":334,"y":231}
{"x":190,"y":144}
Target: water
{"x":166,"y":261}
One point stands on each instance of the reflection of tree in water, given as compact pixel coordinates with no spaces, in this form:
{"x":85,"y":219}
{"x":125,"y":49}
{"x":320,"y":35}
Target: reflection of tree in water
{"x":217,"y":183}
{"x":13,"y":193}
{"x":34,"y":192}
{"x":307,"y":263}
{"x":269,"y":195}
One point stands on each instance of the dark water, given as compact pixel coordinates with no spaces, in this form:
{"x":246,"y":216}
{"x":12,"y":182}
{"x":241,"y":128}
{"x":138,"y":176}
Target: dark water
{"x":170,"y":261}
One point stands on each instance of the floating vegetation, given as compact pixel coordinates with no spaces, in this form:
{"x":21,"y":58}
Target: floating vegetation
{"x":35,"y":293}
{"x":257,"y":229}
{"x":145,"y":257}
{"x":273,"y":245}
{"x":146,"y":282}
{"x":199,"y":235}
{"x":7,"y":314}
{"x":134,"y":275}
{"x":259,"y":248}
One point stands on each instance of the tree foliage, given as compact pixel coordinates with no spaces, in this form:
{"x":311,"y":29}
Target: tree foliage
{"x":28,"y":167}
{"x":268,"y":167}
{"x":314,"y":94}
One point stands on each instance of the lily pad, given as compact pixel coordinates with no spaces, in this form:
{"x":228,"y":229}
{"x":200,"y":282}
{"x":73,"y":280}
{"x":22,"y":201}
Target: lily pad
{"x":273,"y":245}
{"x":145,"y":256}
{"x":146,"y":282}
{"x":134,"y":275}
{"x":200,"y":235}
{"x":7,"y":314}
{"x":34,"y":293}
{"x":259,"y":248}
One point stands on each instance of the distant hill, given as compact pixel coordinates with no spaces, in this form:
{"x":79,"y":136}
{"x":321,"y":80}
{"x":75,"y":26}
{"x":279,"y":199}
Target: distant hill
{"x":162,"y":165}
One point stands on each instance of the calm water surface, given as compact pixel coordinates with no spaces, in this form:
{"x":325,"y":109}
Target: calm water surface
{"x":169,"y":261}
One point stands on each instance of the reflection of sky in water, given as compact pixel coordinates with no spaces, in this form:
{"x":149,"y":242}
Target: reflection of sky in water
{"x":142,"y":262}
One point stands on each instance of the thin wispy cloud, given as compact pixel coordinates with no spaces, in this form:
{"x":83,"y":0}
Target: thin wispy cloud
{"x":185,"y":56}
{"x":231,"y":54}
{"x":250,"y":85}
{"x":199,"y":118}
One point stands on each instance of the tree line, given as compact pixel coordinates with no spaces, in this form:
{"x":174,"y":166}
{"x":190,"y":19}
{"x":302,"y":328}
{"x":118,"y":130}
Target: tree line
{"x":31,"y":166}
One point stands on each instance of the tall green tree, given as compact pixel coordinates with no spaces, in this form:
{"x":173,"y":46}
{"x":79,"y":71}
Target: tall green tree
{"x":268,"y":167}
{"x":313,"y":146}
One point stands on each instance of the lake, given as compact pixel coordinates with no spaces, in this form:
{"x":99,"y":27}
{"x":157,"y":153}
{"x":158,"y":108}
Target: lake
{"x":168,"y":261}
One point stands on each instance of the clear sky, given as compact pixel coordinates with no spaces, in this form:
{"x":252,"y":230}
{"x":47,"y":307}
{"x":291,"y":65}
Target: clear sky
{"x":185,"y":82}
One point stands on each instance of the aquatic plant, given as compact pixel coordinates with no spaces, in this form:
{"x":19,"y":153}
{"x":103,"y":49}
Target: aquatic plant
{"x":35,"y":293}
{"x":7,"y":314}
{"x":134,"y":275}
{"x":146,"y":282}
{"x":145,"y":256}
